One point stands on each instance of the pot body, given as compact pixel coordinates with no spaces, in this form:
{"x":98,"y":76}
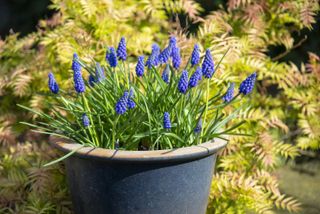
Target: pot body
{"x":100,"y":187}
{"x":173,"y":181}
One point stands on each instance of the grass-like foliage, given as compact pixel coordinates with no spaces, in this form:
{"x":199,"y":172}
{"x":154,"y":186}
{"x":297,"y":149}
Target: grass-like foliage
{"x":159,"y":106}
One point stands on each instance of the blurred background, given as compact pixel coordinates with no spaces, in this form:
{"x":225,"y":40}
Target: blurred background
{"x":23,"y":15}
{"x":300,"y":178}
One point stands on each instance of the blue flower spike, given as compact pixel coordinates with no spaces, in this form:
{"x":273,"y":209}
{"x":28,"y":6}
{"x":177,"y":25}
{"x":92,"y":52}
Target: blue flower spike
{"x":122,"y":104}
{"x":122,"y":49}
{"x":172,"y":42}
{"x":176,"y":58}
{"x":140,"y":66}
{"x":166,"y":74}
{"x":247,"y":85}
{"x":166,"y":120}
{"x":208,"y":65}
{"x":85,"y":120}
{"x":153,"y":59}
{"x":75,"y":64}
{"x":195,"y":56}
{"x":195,"y":78}
{"x":165,"y":55}
{"x":183,"y":82}
{"x":52,"y":84}
{"x":131,"y":104}
{"x":111,"y":57}
{"x":79,"y":85}
{"x":229,"y":94}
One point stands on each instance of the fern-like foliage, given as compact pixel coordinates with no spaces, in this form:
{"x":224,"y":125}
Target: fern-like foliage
{"x":26,"y":187}
{"x":280,"y":124}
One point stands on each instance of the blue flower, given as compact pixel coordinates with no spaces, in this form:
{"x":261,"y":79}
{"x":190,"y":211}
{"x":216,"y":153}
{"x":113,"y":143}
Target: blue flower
{"x":195,"y":56}
{"x":247,"y":85}
{"x":53,"y":86}
{"x":91,"y":80}
{"x":122,"y":49}
{"x":153,"y":59}
{"x":165,"y":55}
{"x":79,"y":85}
{"x":165,"y":74}
{"x":172,"y":42}
{"x":208,"y":65}
{"x":198,"y":127}
{"x":140,"y":66}
{"x":195,"y":78}
{"x":229,"y":94}
{"x":121,"y":105}
{"x":176,"y":58}
{"x":111,"y":57}
{"x":183,"y":82}
{"x":131,"y":104}
{"x":75,"y":64}
{"x":166,"y":120}
{"x":85,"y":120}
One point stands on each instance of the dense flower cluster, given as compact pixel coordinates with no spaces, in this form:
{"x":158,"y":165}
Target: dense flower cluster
{"x":166,"y":120}
{"x":195,"y":78}
{"x":79,"y":85}
{"x":140,"y":66}
{"x":195,"y":56}
{"x":131,"y":104}
{"x":176,"y":58}
{"x":122,"y":104}
{"x":153,"y":59}
{"x":85,"y":120}
{"x":208,"y":65}
{"x":165,"y":55}
{"x":111,"y":57}
{"x":166,"y":74}
{"x":229,"y":95}
{"x":122,"y":50}
{"x":53,"y":86}
{"x":183,"y":82}
{"x":247,"y":85}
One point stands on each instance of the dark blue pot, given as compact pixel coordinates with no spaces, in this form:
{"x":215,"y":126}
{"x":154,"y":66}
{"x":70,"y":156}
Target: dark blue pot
{"x":106,"y":181}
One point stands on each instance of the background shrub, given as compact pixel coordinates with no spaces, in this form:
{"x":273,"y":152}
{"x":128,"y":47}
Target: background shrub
{"x":285,"y":109}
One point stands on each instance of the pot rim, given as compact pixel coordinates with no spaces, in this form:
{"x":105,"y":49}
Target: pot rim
{"x":169,"y":155}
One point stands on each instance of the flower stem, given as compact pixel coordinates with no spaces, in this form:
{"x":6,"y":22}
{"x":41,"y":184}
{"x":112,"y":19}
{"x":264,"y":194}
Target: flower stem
{"x":92,"y":129}
{"x":206,"y":109}
{"x":114,"y":132}
{"x":116,"y":75}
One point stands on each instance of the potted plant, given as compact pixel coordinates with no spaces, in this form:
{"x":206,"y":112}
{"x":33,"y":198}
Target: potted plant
{"x":143,"y":140}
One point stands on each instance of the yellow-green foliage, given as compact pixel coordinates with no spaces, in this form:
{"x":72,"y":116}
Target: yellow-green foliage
{"x":281,"y":123}
{"x":27,"y":187}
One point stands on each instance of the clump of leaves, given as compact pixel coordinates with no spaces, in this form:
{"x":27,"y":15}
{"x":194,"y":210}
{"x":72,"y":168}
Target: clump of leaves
{"x":160,"y":108}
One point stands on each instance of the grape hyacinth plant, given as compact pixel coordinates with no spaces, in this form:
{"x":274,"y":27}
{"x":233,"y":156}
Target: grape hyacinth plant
{"x":156,"y":106}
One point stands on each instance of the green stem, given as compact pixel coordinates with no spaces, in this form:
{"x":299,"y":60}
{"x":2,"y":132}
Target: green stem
{"x":206,"y":110}
{"x":114,"y":132}
{"x":116,"y":76}
{"x":92,"y":129}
